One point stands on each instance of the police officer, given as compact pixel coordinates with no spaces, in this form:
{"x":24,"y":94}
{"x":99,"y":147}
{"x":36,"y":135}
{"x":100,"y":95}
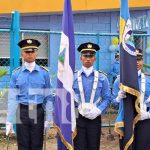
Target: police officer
{"x":142,"y":132}
{"x":92,"y":97}
{"x":29,"y":94}
{"x":115,"y":67}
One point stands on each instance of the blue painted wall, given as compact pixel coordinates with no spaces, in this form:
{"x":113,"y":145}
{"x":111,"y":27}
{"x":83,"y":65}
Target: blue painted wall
{"x":86,"y":22}
{"x":98,"y":22}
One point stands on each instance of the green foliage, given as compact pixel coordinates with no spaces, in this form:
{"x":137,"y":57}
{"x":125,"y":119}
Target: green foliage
{"x":146,"y":66}
{"x":2,"y":73}
{"x":4,"y":90}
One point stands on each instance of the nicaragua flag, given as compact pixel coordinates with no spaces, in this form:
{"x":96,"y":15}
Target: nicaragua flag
{"x":65,"y":121}
{"x":128,"y":79}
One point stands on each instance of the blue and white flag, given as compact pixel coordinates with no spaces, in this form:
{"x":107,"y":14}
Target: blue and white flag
{"x":128,"y":80}
{"x":65,"y":121}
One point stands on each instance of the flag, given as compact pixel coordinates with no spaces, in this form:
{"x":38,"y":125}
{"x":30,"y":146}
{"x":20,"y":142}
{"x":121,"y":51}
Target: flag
{"x":64,"y":112}
{"x":128,"y":79}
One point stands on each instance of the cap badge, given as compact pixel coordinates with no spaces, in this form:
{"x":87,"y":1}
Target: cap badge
{"x":89,"y":46}
{"x":29,"y":41}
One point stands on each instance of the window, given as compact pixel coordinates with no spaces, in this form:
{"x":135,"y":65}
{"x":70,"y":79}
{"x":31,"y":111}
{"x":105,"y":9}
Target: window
{"x":139,"y":40}
{"x":43,"y":53}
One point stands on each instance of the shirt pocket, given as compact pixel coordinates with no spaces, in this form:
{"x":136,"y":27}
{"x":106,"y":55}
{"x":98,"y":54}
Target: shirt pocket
{"x":37,"y":84}
{"x":37,"y":88}
{"x":20,"y":83}
{"x":99,"y":89}
{"x":21,"y":86}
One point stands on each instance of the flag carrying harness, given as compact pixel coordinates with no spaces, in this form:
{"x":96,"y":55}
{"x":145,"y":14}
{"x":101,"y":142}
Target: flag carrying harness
{"x":96,"y":73}
{"x":143,"y":81}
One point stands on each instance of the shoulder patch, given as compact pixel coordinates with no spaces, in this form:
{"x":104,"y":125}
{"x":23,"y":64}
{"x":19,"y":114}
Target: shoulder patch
{"x":103,"y":72}
{"x":16,"y":69}
{"x":44,"y":68}
{"x":147,"y":73}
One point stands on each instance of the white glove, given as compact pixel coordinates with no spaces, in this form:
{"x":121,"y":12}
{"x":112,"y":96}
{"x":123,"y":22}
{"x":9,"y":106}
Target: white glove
{"x":144,"y":115}
{"x":148,"y":100}
{"x":95,"y":112}
{"x":85,"y":108}
{"x":9,"y":128}
{"x":48,"y":125}
{"x":121,"y":95}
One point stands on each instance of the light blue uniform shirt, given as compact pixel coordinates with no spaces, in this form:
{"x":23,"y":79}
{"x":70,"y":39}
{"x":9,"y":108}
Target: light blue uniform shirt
{"x":115,"y":91}
{"x":29,"y":88}
{"x":115,"y":69}
{"x":147,"y":88}
{"x":102,"y":93}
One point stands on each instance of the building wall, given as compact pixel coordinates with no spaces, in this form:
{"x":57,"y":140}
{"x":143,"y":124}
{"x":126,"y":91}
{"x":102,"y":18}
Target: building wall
{"x":38,"y":6}
{"x":86,"y":23}
{"x":98,"y":22}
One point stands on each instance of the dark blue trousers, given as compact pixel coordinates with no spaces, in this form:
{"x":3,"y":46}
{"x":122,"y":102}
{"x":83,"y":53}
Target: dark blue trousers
{"x":88,"y":134}
{"x":142,"y":135}
{"x":29,"y":129}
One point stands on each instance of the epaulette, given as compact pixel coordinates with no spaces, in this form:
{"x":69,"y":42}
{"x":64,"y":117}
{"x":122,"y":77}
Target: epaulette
{"x":16,"y":69}
{"x":147,"y":73}
{"x":44,"y":68}
{"x":103,"y":72}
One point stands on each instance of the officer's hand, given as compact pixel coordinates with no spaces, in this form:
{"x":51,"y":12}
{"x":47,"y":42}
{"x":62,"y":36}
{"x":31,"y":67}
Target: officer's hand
{"x":95,"y":112}
{"x":48,"y":125}
{"x":148,"y":100}
{"x":85,"y":108}
{"x":121,"y":95}
{"x":9,"y":128}
{"x":144,"y":115}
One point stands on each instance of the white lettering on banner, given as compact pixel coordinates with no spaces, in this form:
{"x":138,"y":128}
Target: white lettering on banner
{"x":138,"y":23}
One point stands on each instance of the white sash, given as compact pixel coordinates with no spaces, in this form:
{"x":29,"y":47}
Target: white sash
{"x":96,"y":73}
{"x":142,"y":94}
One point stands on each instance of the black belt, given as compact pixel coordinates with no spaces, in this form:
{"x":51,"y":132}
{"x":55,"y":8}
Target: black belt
{"x":30,"y":106}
